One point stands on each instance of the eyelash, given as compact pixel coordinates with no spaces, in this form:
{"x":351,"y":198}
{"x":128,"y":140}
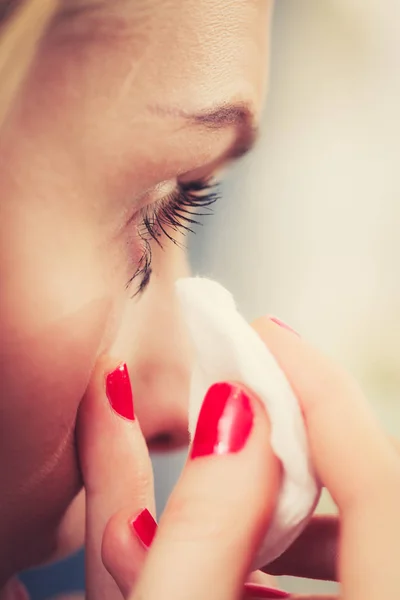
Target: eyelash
{"x":175,"y":212}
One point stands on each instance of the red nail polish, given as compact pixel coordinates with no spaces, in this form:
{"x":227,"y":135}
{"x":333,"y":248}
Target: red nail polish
{"x":261,"y":591}
{"x":282,"y":324}
{"x":119,"y":392}
{"x":145,"y":527}
{"x":225,"y":421}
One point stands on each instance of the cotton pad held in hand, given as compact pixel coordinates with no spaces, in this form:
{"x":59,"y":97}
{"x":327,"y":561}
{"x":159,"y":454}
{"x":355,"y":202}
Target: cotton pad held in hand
{"x":228,"y":349}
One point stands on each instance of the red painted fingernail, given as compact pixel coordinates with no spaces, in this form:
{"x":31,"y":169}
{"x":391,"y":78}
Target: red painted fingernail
{"x":261,"y":591}
{"x":282,"y":324}
{"x":119,"y":392}
{"x":225,"y":421}
{"x":145,"y":527}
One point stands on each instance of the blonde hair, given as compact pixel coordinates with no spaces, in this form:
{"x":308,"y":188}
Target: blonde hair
{"x":19,"y":39}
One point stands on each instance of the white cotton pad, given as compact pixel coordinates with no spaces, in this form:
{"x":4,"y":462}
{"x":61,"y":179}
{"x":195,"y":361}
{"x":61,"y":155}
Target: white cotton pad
{"x":228,"y":349}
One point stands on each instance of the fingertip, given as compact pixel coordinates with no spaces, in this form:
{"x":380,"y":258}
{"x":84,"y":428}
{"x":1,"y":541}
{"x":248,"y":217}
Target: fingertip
{"x":119,"y":391}
{"x":145,"y":527}
{"x":117,"y":472}
{"x":269,"y":325}
{"x":123,"y":552}
{"x":95,"y":397}
{"x":105,"y":366}
{"x":283,"y":325}
{"x":343,"y":433}
{"x":106,"y":425}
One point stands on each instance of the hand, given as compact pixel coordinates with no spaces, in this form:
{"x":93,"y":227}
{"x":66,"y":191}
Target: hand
{"x":118,"y":481}
{"x":222,"y":504}
{"x":358,"y":464}
{"x":314,"y":554}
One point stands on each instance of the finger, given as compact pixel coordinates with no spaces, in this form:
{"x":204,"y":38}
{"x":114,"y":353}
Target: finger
{"x":350,"y":451}
{"x":314,"y":554}
{"x":262,"y":585}
{"x":313,"y":597}
{"x":14,"y":590}
{"x":71,"y":532}
{"x":293,"y":597}
{"x":296,"y":597}
{"x":396,"y":444}
{"x":118,"y":481}
{"x":354,"y":459}
{"x":221,"y":506}
{"x":124,"y":554}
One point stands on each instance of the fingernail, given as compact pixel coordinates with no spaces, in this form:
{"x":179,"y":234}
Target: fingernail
{"x":282,"y":324}
{"x":225,"y":421}
{"x":255,"y":590}
{"x":145,"y":527}
{"x":119,"y":392}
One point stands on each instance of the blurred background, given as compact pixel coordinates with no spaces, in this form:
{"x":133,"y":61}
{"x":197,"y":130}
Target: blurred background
{"x":308,"y":228}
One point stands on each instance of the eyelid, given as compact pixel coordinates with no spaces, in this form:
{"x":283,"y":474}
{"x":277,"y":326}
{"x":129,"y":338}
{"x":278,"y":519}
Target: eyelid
{"x":157,"y":192}
{"x":211,"y":174}
{"x":167,"y":189}
{"x":175,"y":212}
{"x":205,"y":173}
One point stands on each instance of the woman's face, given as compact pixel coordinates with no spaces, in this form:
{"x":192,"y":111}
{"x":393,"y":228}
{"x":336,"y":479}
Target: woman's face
{"x":126,"y":101}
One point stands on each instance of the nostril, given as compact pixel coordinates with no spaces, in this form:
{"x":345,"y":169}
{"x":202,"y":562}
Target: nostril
{"x":167,"y":441}
{"x":161,"y":439}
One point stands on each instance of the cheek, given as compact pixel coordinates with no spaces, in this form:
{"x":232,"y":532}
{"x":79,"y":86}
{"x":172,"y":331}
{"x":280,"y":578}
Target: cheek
{"x":43,"y":377}
{"x":59,"y":307}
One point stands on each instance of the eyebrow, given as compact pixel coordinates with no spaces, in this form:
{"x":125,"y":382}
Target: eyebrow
{"x":237,"y":115}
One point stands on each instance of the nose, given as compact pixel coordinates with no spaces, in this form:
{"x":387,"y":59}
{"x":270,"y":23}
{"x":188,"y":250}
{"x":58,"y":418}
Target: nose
{"x":165,"y":442}
{"x":152,"y":338}
{"x":161,"y":391}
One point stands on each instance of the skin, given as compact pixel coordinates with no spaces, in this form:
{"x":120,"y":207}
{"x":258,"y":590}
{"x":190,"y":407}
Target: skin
{"x":205,"y":542}
{"x":101,"y":121}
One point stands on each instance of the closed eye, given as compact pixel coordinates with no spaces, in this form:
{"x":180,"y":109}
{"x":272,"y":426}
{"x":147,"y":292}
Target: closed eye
{"x":175,"y":213}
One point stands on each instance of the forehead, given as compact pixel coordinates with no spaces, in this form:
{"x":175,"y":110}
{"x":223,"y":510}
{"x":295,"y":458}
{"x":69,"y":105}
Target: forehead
{"x":199,"y":52}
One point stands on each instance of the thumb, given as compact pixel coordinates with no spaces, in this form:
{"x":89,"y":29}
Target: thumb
{"x":221,"y":506}
{"x":118,"y":481}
